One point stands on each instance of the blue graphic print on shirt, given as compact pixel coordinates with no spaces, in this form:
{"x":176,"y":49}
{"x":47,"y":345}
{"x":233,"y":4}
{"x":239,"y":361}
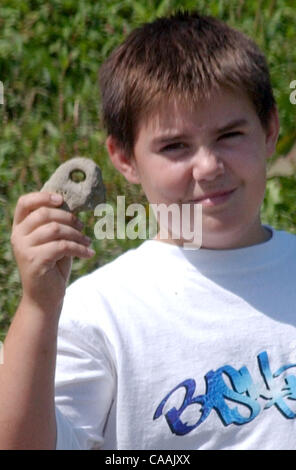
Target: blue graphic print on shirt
{"x":244,"y":392}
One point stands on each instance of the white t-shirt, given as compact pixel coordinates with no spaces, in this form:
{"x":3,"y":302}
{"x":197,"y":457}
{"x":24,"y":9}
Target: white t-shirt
{"x":168,"y":348}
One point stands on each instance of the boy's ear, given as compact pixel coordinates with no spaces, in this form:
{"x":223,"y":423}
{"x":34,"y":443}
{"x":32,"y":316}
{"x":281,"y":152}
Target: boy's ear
{"x":272,"y":133}
{"x":126,"y":165}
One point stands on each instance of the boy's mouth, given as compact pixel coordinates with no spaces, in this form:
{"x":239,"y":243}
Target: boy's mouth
{"x":214,"y":198}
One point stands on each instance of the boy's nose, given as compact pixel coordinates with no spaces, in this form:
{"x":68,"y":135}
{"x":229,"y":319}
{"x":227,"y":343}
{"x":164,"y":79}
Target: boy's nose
{"x":206,"y":165}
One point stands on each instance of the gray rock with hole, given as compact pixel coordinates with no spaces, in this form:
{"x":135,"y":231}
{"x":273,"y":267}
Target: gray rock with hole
{"x":78,"y":195}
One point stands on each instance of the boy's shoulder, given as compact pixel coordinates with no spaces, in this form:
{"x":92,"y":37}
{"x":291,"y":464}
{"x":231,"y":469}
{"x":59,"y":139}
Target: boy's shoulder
{"x":126,"y":267}
{"x":282,"y":238}
{"x":135,"y":262}
{"x":151,"y":263}
{"x":156,"y":270}
{"x":133,"y":273}
{"x":156,"y":259}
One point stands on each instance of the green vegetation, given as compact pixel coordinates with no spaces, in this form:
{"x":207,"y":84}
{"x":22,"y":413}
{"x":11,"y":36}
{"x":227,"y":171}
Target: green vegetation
{"x":50,"y":52}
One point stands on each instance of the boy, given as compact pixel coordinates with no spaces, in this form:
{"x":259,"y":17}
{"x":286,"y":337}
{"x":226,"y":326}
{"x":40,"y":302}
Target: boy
{"x":164,"y":348}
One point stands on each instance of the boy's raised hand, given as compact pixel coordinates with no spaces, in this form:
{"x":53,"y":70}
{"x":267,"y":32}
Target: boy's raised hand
{"x":44,"y":239}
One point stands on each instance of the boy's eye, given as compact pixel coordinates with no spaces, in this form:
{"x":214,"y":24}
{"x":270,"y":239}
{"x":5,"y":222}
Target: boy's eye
{"x":230,"y":135}
{"x":174,"y":146}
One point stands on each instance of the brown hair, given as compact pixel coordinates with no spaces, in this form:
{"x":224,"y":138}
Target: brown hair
{"x":183,"y":56}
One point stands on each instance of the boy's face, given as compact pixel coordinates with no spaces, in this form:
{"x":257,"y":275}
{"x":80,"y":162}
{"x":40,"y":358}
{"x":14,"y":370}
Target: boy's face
{"x":215,"y":156}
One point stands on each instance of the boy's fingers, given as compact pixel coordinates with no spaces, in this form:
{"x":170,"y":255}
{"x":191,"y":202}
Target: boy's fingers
{"x":45,"y":215}
{"x":57,"y":250}
{"x":32,"y":201}
{"x":55,"y":231}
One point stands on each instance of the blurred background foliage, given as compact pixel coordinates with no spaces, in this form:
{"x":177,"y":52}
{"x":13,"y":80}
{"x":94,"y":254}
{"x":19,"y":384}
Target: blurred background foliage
{"x":50,"y":53}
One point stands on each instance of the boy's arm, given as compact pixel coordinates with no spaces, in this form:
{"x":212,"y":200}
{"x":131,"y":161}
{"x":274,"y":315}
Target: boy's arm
{"x":44,"y":240}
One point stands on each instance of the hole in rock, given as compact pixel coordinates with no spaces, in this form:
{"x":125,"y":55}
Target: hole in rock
{"x":77,"y":176}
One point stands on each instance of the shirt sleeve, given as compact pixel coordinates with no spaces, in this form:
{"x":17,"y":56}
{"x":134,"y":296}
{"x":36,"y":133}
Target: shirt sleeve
{"x":85,"y":378}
